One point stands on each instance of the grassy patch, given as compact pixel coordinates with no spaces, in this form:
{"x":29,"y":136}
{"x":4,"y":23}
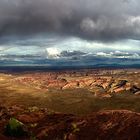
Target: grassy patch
{"x":15,"y":128}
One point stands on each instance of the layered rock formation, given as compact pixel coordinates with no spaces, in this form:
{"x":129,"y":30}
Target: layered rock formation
{"x":95,"y":84}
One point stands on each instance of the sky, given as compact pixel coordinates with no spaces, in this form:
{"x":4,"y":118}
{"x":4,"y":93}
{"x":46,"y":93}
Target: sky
{"x":70,"y":32}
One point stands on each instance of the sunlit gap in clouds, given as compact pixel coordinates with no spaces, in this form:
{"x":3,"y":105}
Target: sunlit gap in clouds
{"x":53,"y":50}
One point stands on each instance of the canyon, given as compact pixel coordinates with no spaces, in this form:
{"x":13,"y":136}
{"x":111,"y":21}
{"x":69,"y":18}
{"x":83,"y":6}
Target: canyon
{"x":71,"y":105}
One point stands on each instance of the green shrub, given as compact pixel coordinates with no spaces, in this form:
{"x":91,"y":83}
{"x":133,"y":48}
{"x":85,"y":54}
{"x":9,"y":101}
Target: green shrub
{"x":15,"y":128}
{"x":75,"y":128}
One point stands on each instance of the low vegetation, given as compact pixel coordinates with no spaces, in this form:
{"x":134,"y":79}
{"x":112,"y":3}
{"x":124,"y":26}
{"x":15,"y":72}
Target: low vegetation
{"x":15,"y":128}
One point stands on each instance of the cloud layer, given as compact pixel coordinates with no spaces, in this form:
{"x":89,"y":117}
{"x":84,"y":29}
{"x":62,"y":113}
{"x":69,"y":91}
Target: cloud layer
{"x":72,"y":59}
{"x":103,"y":20}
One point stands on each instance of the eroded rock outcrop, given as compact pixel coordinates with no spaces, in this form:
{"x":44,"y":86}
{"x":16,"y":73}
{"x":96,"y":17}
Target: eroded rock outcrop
{"x":102,"y":125}
{"x":107,"y":124}
{"x":93,"y":83}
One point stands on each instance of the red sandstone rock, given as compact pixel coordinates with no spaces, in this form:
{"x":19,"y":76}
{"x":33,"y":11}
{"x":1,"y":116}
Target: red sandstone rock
{"x":30,"y":117}
{"x":71,"y":85}
{"x":102,"y":125}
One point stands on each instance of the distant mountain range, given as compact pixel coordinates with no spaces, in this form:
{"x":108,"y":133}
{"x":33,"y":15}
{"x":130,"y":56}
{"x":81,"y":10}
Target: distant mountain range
{"x":71,"y":60}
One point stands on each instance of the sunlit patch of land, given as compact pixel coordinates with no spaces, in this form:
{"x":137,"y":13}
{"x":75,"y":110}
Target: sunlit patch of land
{"x":67,"y":105}
{"x":44,"y":90}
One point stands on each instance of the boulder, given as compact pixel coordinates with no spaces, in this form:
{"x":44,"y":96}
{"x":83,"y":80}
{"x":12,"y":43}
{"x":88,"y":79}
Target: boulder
{"x":105,"y":85}
{"x":121,"y":83}
{"x":119,"y":90}
{"x":88,"y":82}
{"x":71,"y":85}
{"x":82,"y":84}
{"x":134,"y":89}
{"x":137,"y":93}
{"x":30,"y":117}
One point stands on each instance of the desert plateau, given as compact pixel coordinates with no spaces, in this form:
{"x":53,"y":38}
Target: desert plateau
{"x":70,"y":105}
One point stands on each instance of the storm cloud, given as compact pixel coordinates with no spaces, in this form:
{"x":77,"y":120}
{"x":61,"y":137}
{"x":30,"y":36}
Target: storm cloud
{"x":103,"y":20}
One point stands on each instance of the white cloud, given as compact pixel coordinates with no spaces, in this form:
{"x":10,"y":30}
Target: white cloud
{"x":52,"y":53}
{"x":118,"y":54}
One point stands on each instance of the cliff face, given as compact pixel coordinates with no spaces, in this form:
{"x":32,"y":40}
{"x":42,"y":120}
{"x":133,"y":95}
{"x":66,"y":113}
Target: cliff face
{"x":96,"y":84}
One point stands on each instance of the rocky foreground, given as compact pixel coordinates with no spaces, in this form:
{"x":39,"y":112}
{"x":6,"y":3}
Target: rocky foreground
{"x":41,"y":124}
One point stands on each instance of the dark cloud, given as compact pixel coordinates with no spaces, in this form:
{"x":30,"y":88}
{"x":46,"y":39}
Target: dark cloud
{"x":72,"y":53}
{"x":97,"y":20}
{"x":95,"y":60}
